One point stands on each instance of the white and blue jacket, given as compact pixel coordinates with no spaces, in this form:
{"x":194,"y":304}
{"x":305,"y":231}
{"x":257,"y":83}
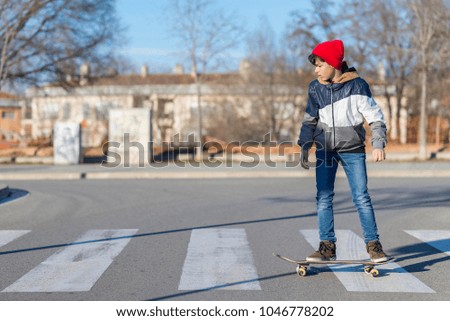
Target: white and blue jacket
{"x":335,"y":113}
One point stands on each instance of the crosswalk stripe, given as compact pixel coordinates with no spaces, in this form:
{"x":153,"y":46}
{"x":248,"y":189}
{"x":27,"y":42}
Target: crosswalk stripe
{"x":78,"y":266}
{"x":439,"y":239}
{"x":7,"y":236}
{"x":219,"y":258}
{"x":350,"y":246}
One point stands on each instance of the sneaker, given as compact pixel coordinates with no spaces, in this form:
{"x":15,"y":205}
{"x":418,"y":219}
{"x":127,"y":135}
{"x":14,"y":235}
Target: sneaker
{"x":376,"y":253}
{"x":326,"y":252}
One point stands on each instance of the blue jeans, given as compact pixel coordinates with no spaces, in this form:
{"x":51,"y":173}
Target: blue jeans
{"x":354,"y":165}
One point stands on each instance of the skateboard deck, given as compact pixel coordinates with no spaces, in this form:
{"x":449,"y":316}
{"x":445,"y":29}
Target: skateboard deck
{"x":302,"y":265}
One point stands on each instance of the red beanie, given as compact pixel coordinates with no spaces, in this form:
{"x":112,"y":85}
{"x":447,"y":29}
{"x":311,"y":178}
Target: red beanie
{"x":332,"y":52}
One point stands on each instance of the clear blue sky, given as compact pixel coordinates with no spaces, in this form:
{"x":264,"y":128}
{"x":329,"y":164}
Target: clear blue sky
{"x":149,"y":41}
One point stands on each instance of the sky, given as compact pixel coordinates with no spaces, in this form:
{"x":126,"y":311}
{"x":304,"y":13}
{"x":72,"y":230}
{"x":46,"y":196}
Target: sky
{"x":149,"y":41}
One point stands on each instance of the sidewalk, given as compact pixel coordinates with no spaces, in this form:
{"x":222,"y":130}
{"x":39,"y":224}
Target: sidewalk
{"x":212,"y":170}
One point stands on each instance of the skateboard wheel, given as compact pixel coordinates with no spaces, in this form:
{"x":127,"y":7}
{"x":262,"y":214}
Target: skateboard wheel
{"x":301,"y":270}
{"x":367,"y":269}
{"x":374,"y":273}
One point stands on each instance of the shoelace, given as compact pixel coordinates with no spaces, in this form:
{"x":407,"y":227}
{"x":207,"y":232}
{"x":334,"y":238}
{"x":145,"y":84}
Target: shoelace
{"x":325,"y":247}
{"x":377,"y":247}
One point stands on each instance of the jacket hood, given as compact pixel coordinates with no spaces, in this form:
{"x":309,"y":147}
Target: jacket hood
{"x":348,"y":75}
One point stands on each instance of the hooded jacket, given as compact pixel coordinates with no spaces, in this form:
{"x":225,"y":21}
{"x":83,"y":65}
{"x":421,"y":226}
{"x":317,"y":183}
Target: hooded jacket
{"x":335,"y":113}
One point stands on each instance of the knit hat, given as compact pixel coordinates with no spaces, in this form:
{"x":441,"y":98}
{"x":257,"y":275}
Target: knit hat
{"x":332,"y":52}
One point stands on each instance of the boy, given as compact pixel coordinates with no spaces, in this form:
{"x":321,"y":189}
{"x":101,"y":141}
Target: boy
{"x":338,"y":102}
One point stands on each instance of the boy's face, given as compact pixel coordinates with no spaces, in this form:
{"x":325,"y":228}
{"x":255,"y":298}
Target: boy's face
{"x":324,"y":71}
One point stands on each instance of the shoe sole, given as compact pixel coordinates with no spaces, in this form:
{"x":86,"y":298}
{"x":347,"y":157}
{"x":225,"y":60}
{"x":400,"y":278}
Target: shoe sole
{"x":381,"y":260}
{"x":319,"y":260}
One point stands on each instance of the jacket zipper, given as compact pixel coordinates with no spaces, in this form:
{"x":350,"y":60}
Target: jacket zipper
{"x":332,"y":115}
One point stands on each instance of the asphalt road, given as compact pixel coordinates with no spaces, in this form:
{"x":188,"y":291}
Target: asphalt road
{"x":165,"y":230}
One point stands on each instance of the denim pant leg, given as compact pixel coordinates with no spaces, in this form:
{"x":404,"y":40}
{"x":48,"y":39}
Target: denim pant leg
{"x":325,"y":177}
{"x":355,"y":168}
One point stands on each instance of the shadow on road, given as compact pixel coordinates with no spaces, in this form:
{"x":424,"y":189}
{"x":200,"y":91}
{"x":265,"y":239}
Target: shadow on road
{"x":180,"y":230}
{"x":405,"y":198}
{"x":383,"y":198}
{"x":420,"y":251}
{"x":222,"y":286}
{"x":14,"y":194}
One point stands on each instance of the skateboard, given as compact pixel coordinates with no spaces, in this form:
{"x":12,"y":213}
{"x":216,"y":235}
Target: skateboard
{"x":302,"y":265}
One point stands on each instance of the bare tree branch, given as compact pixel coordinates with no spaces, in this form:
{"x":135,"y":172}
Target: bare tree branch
{"x":205,"y":35}
{"x":42,"y":40}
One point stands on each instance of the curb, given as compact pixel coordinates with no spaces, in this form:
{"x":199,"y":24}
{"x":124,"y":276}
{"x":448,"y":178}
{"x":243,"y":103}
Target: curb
{"x":199,"y":175}
{"x":396,"y":157}
{"x":210,"y":175}
{"x":409,"y":173}
{"x":40,"y":176}
{"x":261,"y":174}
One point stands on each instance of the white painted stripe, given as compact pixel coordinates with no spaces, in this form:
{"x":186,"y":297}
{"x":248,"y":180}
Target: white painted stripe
{"x":8,"y":236}
{"x":78,"y":266}
{"x":439,"y":239}
{"x":393,"y":278}
{"x":219,"y":258}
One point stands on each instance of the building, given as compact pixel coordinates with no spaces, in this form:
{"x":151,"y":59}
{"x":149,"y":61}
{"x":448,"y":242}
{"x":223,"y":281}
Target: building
{"x":11,"y":109}
{"x":173,"y":97}
{"x":274,"y":103}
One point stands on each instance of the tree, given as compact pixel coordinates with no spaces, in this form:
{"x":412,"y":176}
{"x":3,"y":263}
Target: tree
{"x":395,"y":50}
{"x":432,"y":45}
{"x":384,"y":37}
{"x":45,"y":40}
{"x":311,"y":27}
{"x":262,"y":59}
{"x":274,"y":82}
{"x":205,"y":35}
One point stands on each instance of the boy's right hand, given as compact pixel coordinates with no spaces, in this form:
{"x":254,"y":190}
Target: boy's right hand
{"x":304,"y":158}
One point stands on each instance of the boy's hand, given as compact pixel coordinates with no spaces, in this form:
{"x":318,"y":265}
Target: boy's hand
{"x":304,"y":158}
{"x":378,"y":155}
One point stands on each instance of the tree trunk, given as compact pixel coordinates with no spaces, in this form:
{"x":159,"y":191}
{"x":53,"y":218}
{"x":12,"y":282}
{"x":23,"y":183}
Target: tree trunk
{"x":199,"y":148}
{"x":423,"y":116}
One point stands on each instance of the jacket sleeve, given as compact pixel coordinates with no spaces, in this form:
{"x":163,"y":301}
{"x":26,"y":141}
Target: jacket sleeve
{"x":309,"y":123}
{"x":374,"y":116}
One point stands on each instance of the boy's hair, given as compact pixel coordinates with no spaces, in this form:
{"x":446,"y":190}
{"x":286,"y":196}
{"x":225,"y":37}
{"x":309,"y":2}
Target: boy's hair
{"x":312,"y":59}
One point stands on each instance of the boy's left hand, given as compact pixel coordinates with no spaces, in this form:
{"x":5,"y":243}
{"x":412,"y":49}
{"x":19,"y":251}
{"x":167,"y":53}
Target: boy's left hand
{"x":378,"y":155}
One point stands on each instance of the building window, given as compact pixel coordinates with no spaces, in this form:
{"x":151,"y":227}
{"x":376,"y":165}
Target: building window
{"x":50,"y":111}
{"x":66,"y":111}
{"x":194,"y":109}
{"x":8,"y":115}
{"x":28,"y":113}
{"x":102,"y":110}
